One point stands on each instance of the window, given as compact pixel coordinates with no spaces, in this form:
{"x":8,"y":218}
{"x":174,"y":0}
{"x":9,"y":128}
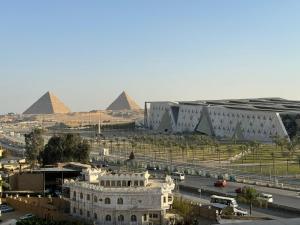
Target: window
{"x":133,"y":218}
{"x":74,"y":194}
{"x":107,"y":201}
{"x":145,"y":217}
{"x":95,"y":216}
{"x":113,"y":183}
{"x":136,"y":183}
{"x":74,"y":210}
{"x":95,"y":199}
{"x":101,"y":183}
{"x":81,"y":196}
{"x":124,"y":183}
{"x":120,"y":201}
{"x":119,"y":183}
{"x":80,"y":212}
{"x":120,"y":218}
{"x":88,"y":197}
{"x":108,"y":218}
{"x":88,"y":214}
{"x":141,"y":183}
{"x":155,"y":216}
{"x":165,"y":199}
{"x":107,"y":183}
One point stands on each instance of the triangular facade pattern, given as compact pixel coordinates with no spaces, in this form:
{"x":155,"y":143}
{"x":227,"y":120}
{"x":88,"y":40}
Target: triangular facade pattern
{"x":247,"y":119}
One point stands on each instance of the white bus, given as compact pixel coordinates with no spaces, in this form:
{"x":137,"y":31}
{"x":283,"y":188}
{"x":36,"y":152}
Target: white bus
{"x":221,"y":202}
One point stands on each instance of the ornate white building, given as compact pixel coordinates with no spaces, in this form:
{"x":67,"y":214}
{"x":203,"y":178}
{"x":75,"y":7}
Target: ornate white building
{"x":259,"y":119}
{"x":123,"y":198}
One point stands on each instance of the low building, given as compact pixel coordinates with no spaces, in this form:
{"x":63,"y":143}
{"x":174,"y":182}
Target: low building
{"x":122,"y":198}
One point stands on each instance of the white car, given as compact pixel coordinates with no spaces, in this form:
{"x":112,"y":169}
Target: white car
{"x":266,"y":197}
{"x":27,"y":216}
{"x":178,"y":176}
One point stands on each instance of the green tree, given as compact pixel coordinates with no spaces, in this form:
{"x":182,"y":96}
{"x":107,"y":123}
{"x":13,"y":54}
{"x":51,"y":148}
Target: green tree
{"x":53,"y":151}
{"x":131,"y":156}
{"x":34,"y":145}
{"x":69,"y":147}
{"x":249,"y":195}
{"x":273,"y":161}
{"x":82,"y":152}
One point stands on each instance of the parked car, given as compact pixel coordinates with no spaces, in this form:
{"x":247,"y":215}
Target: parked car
{"x":5,"y":208}
{"x":27,"y":216}
{"x":152,"y":168}
{"x":220,"y":183}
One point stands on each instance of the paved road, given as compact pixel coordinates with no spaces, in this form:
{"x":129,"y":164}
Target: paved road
{"x":260,"y":212}
{"x":282,"y":197}
{"x":214,"y":169}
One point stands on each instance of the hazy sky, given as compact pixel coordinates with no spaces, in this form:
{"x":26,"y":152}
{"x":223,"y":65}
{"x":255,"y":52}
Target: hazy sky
{"x":87,"y":52}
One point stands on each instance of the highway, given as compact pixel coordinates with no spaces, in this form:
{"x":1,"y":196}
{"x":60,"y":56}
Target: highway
{"x":259,"y":212}
{"x":282,"y":197}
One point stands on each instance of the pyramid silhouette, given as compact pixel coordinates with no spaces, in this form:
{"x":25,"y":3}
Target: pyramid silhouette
{"x":124,"y":102}
{"x":47,"y":104}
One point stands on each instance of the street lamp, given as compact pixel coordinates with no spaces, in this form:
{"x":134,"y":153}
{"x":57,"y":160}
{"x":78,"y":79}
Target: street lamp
{"x":200,"y":192}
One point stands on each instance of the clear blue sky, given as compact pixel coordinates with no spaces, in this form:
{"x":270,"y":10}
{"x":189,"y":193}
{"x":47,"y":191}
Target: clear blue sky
{"x":87,"y":52}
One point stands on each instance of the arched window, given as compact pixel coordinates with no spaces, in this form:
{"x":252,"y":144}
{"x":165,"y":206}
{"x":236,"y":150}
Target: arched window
{"x":120,"y":201}
{"x":108,"y":218}
{"x":107,"y":201}
{"x":120,"y":218}
{"x":133,"y":218}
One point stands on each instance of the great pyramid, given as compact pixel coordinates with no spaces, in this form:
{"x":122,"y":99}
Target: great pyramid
{"x":47,"y":104}
{"x":124,"y":102}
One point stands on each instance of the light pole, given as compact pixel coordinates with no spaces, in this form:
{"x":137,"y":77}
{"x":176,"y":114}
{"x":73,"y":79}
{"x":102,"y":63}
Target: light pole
{"x":200,"y":192}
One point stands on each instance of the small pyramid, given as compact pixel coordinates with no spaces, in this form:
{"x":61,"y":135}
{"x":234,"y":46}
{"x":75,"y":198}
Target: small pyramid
{"x":47,"y":104}
{"x":124,"y":102}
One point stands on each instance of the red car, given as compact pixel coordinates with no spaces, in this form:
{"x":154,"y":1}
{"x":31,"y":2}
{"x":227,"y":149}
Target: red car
{"x":240,"y":190}
{"x":220,"y":183}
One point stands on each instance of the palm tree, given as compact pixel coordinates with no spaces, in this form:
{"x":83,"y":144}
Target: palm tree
{"x":111,"y":145}
{"x":124,"y":148}
{"x":289,"y":154}
{"x":298,"y":160}
{"x":203,"y":149}
{"x":273,"y":160}
{"x":218,"y":150}
{"x":249,"y":194}
{"x":243,"y":149}
{"x":229,"y":150}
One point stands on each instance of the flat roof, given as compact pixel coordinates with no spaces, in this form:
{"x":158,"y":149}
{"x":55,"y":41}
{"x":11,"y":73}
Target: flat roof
{"x":254,"y":104}
{"x":55,"y":169}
